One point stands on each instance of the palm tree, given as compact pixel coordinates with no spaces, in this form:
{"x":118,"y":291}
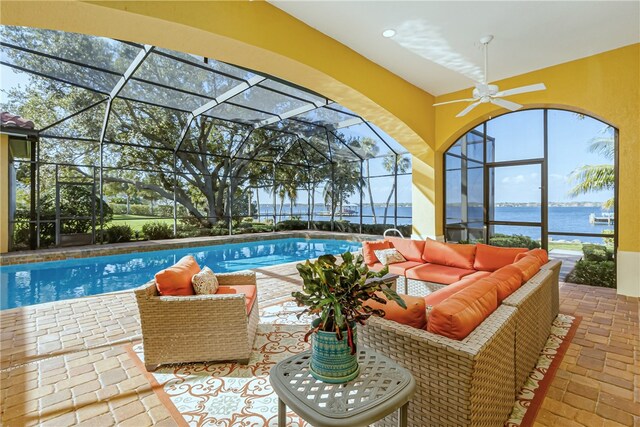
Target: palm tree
{"x":371,"y":150}
{"x":403,"y":164}
{"x":593,"y":178}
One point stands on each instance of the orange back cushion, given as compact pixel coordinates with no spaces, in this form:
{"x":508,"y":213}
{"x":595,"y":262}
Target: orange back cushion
{"x":451,"y":254}
{"x":415,"y":314}
{"x":529,"y":266}
{"x":410,"y":249}
{"x":435,"y":298}
{"x":176,"y":280}
{"x":491,"y":258}
{"x":368,"y":247}
{"x":508,"y":279}
{"x":457,"y":316}
{"x":541,"y":254}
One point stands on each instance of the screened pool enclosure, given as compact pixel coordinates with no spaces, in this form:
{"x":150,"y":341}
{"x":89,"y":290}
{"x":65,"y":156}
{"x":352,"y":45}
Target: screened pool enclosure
{"x":173,"y":144}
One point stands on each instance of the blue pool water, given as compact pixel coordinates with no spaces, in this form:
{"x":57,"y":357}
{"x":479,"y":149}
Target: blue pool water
{"x":36,"y":283}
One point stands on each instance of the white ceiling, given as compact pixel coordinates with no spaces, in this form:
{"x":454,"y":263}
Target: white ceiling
{"x":437,"y":42}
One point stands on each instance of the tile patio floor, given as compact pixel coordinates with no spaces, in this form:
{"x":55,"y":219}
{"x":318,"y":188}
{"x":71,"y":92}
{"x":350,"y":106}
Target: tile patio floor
{"x":64,"y":363}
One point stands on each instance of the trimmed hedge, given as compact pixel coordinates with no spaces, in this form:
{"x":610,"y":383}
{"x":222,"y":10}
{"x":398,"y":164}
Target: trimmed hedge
{"x":597,"y":253}
{"x":594,"y":273}
{"x":157,"y":231}
{"x":514,"y":241}
{"x":119,"y":233}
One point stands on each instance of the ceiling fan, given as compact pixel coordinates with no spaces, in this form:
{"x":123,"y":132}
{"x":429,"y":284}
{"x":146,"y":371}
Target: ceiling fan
{"x":485,"y":93}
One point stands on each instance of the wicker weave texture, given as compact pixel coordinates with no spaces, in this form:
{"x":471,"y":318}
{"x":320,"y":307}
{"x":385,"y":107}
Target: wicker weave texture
{"x":459,"y":383}
{"x":554,"y":266}
{"x":421,"y":288}
{"x":198,"y":328}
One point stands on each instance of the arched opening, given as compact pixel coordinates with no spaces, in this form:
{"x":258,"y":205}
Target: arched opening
{"x":537,"y":178}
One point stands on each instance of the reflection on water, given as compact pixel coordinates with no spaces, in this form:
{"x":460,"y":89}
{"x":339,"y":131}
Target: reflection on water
{"x":29,"y":284}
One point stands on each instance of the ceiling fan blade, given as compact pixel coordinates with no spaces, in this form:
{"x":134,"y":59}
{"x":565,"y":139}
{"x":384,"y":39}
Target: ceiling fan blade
{"x":457,"y":100}
{"x":506,"y":104}
{"x":469,"y":108}
{"x":522,"y":89}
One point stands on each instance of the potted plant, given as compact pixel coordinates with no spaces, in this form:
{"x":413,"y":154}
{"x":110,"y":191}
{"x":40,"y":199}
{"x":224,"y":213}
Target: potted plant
{"x":336,"y":293}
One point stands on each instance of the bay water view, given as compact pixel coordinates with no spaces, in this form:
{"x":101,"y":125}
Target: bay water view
{"x":565,"y":219}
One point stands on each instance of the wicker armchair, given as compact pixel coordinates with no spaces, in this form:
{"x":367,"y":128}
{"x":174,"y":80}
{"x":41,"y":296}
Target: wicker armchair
{"x":181,"y":329}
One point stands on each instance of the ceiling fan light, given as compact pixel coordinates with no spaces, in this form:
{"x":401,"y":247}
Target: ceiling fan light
{"x":388,"y":33}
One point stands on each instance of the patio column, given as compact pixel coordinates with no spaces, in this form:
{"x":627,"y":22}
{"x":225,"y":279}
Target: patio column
{"x":4,"y":193}
{"x":426,"y":219}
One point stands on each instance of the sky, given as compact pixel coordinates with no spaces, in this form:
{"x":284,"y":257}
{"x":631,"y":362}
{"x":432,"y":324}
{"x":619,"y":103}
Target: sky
{"x":520,"y":136}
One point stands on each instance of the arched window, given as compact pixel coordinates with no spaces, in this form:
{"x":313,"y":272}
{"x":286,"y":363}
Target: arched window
{"x":542,"y":177}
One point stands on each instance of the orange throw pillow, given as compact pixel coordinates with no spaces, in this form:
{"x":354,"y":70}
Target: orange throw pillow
{"x":491,"y":258}
{"x":368,"y":247}
{"x":451,"y":254}
{"x":176,"y":280}
{"x":508,"y":280}
{"x":415,"y":314}
{"x":457,"y":316}
{"x":410,"y":249}
{"x":541,"y":254}
{"x":529,"y":266}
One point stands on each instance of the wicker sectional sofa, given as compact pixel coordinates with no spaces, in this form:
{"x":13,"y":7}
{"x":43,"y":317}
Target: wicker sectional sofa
{"x":472,"y":381}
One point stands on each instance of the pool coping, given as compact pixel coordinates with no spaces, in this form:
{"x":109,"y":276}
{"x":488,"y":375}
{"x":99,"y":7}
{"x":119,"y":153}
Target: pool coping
{"x":58,"y":254}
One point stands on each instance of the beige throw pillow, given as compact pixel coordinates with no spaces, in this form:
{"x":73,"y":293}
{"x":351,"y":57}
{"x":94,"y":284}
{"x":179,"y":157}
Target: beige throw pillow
{"x":205,"y":282}
{"x":389,"y":256}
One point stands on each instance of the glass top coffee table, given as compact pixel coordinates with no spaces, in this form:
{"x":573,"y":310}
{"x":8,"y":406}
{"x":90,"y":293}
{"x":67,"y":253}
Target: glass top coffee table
{"x":382,"y":387}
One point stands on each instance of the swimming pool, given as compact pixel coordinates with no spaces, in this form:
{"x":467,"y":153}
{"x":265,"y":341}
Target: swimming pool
{"x":28,"y":284}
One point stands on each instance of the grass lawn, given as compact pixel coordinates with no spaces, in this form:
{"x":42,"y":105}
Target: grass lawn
{"x":565,"y":245}
{"x":136,"y":222}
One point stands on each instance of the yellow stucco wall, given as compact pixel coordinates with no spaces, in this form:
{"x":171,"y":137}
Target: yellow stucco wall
{"x":606,"y":86}
{"x":4,"y":193}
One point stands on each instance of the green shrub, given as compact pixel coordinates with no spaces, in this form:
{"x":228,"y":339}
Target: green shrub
{"x":119,"y":233}
{"x":597,"y":253}
{"x":291,"y":224}
{"x":594,"y":273}
{"x":157,"y":230}
{"x":513,"y":241}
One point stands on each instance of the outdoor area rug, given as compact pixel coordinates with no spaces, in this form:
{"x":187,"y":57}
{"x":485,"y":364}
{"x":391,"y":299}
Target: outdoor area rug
{"x":532,"y":394}
{"x":229,"y":394}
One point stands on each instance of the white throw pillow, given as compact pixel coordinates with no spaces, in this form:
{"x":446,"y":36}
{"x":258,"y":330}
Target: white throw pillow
{"x":205,"y":282}
{"x":389,"y":256}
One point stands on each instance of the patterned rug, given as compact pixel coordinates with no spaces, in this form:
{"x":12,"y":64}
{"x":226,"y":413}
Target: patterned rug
{"x":229,"y":394}
{"x":535,"y":388}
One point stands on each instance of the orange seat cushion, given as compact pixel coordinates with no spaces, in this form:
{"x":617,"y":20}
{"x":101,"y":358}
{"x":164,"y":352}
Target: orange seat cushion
{"x":491,"y":258}
{"x":541,"y":254}
{"x":410,"y":249}
{"x":176,"y":280}
{"x":249,"y":292}
{"x":457,"y":316}
{"x":415,"y":315}
{"x":401,"y":267}
{"x":529,"y":266}
{"x":437,"y":273}
{"x":451,"y":254}
{"x":370,"y":258}
{"x":508,"y":279}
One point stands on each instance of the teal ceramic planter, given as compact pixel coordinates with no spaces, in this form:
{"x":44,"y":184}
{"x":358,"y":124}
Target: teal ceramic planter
{"x":331,"y":359}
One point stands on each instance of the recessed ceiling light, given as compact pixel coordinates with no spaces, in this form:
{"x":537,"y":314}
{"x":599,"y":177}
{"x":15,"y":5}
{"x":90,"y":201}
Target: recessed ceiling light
{"x":389,"y":33}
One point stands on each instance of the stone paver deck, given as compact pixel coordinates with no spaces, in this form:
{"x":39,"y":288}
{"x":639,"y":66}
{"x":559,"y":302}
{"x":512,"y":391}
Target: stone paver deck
{"x":64,"y":363}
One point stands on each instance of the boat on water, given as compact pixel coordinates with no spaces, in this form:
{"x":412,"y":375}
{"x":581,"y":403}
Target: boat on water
{"x":605,"y":218}
{"x":348,"y":210}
